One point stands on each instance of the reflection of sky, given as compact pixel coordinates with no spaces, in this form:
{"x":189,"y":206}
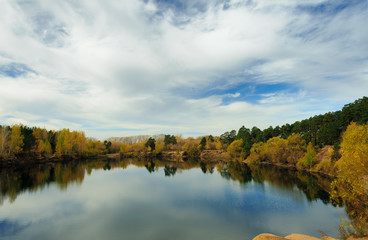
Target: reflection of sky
{"x":135,"y":204}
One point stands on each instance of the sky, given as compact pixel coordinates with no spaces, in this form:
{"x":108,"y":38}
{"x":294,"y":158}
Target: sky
{"x":135,"y":67}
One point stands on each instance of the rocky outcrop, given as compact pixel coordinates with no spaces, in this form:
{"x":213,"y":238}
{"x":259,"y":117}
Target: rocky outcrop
{"x":268,"y":236}
{"x":327,"y":238}
{"x":294,"y":236}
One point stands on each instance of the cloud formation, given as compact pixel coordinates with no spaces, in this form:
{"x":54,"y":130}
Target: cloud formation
{"x":117,"y":69}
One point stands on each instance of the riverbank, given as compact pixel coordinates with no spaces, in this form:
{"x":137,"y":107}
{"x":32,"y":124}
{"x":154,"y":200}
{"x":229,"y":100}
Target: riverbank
{"x":217,"y":156}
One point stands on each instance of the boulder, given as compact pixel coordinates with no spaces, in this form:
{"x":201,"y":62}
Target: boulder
{"x":268,"y":236}
{"x":295,"y":236}
{"x":327,"y":238}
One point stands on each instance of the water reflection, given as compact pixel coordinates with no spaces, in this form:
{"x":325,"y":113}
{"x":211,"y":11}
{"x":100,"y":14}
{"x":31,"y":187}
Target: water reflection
{"x":187,"y":199}
{"x":170,"y":171}
{"x":14,"y":181}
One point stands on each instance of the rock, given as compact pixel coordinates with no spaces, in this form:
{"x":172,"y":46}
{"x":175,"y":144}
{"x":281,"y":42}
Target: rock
{"x":295,"y":236}
{"x":268,"y":236}
{"x":327,"y":238}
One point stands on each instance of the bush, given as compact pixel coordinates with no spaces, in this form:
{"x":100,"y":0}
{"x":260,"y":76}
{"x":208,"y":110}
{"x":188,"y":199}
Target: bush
{"x":193,"y":152}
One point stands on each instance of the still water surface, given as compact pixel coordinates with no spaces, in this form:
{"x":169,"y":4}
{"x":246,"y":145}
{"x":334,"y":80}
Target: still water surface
{"x":161,"y":200}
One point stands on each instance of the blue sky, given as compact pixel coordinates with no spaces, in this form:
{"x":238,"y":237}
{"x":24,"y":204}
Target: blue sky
{"x":181,"y":67}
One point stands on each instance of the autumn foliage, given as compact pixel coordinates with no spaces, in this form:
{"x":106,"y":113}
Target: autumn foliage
{"x":352,"y":181}
{"x":278,"y":150}
{"x":19,"y":141}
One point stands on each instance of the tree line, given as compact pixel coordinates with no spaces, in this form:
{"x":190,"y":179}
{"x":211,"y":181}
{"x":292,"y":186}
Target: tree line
{"x":319,"y":143}
{"x":320,"y":130}
{"x":20,"y":141}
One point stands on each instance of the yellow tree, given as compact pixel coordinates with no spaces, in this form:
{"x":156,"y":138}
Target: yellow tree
{"x":296,"y":147}
{"x":60,"y":148}
{"x":218,"y":145}
{"x":139,"y":147}
{"x":82,"y":144}
{"x":309,"y":159}
{"x":235,"y":149}
{"x":79,"y":143}
{"x":68,"y":143}
{"x":257,"y":153}
{"x":42,"y":147}
{"x":159,"y":147}
{"x":95,"y":147}
{"x":40,"y":136}
{"x":351,"y":184}
{"x":16,"y":140}
{"x":47,"y":150}
{"x":124,"y":148}
{"x":276,"y":150}
{"x":353,"y":164}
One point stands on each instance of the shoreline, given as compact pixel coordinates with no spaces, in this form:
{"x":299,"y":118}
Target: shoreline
{"x":207,"y":156}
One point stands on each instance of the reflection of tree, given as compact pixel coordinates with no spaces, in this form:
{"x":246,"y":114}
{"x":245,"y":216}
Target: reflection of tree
{"x":31,"y":178}
{"x":357,"y":210}
{"x":223,"y":171}
{"x":67,"y":173}
{"x":203,"y":167}
{"x":288,"y":179}
{"x":107,"y":165}
{"x":240,"y":171}
{"x":236,"y":171}
{"x":207,"y":167}
{"x":124,"y":163}
{"x":358,"y":224}
{"x":150,"y":166}
{"x":169,"y":171}
{"x":284,"y":179}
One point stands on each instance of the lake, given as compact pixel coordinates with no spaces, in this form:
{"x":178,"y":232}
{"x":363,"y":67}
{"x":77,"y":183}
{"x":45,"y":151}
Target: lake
{"x":132,"y":199}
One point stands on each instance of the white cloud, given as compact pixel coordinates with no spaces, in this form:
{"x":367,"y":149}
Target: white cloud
{"x":150,"y":66}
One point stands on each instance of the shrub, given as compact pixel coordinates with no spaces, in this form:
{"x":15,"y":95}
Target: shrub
{"x":193,"y":152}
